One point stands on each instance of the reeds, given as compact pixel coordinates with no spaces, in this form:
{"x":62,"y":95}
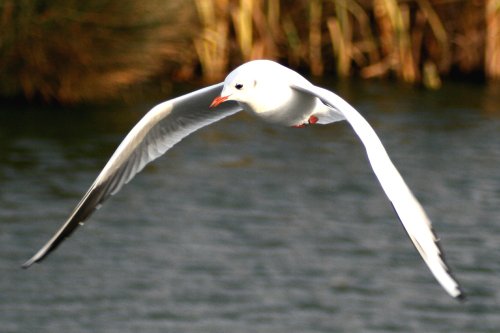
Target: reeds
{"x":492,"y":49}
{"x":373,"y":38}
{"x":70,"y":50}
{"x":212,"y":42}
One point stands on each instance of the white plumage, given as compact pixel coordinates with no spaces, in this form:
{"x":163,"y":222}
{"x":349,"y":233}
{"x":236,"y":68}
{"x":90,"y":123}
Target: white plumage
{"x":278,"y":95}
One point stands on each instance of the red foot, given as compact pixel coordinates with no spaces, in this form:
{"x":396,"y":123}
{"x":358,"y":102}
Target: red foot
{"x":313,"y":120}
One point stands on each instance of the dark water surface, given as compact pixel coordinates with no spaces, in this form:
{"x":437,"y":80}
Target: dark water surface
{"x":247,"y":227}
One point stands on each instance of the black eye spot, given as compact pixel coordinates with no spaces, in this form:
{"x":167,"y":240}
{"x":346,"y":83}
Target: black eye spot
{"x":238,"y":86}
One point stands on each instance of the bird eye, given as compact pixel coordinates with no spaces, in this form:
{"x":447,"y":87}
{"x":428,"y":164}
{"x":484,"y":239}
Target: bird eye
{"x":238,"y":86}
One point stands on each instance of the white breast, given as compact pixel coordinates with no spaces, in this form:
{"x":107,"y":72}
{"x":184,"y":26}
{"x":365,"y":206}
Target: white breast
{"x":283,"y":106}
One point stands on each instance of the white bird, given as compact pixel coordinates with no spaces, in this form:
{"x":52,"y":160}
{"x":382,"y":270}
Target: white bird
{"x":278,"y":95}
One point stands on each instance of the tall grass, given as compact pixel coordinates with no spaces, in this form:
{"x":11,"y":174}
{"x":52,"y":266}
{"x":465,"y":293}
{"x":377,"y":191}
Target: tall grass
{"x":71,"y":50}
{"x":416,"y":41}
{"x":492,"y":49}
{"x":212,"y":42}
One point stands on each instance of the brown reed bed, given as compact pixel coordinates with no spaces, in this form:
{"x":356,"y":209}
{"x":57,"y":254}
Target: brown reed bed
{"x":69,"y":51}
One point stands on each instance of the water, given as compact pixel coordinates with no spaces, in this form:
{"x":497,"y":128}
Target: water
{"x":247,"y":227}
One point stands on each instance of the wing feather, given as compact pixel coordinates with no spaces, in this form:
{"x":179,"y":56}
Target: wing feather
{"x":410,"y":212}
{"x":161,"y":128}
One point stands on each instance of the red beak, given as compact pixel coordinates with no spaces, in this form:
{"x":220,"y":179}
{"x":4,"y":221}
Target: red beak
{"x":218,"y":100}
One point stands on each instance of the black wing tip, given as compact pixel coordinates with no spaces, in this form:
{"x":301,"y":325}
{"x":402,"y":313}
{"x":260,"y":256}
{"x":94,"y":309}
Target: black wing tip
{"x":462,"y":297}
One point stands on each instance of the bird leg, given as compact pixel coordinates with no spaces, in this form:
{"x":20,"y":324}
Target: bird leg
{"x":312,"y":120}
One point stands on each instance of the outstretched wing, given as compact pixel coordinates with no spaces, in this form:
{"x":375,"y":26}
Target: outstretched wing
{"x":410,"y":212}
{"x":161,"y":128}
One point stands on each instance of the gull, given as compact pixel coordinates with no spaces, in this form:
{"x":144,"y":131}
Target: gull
{"x":277,"y":95}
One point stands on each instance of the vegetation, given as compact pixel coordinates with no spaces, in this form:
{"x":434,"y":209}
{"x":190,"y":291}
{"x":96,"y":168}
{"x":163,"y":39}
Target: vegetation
{"x":69,"y":50}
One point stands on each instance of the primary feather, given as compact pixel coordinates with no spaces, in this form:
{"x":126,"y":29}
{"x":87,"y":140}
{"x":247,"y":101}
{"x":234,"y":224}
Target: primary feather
{"x":161,"y":128}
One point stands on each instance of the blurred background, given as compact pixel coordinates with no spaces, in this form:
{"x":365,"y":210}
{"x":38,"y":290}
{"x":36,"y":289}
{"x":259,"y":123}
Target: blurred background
{"x":72,"y":51}
{"x":246,"y":226}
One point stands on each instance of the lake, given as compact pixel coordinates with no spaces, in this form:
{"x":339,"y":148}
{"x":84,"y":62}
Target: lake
{"x":249,"y":227}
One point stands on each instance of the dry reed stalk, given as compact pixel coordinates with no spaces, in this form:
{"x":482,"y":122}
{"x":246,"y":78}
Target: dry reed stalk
{"x":492,"y":50}
{"x":338,"y":46}
{"x":270,"y":29}
{"x":273,"y":15}
{"x":340,"y":29}
{"x":243,"y":25}
{"x":386,"y":36}
{"x":426,"y":15}
{"x":315,"y":57}
{"x":408,"y":68}
{"x":430,"y":76}
{"x":211,"y":45}
{"x":363,"y":51}
{"x":438,"y":31}
{"x":393,"y":22}
{"x":266,"y":36}
{"x":367,"y":44}
{"x":417,"y":36}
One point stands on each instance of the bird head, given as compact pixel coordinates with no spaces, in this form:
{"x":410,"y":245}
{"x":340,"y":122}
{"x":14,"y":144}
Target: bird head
{"x":258,"y":86}
{"x":240,"y":86}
